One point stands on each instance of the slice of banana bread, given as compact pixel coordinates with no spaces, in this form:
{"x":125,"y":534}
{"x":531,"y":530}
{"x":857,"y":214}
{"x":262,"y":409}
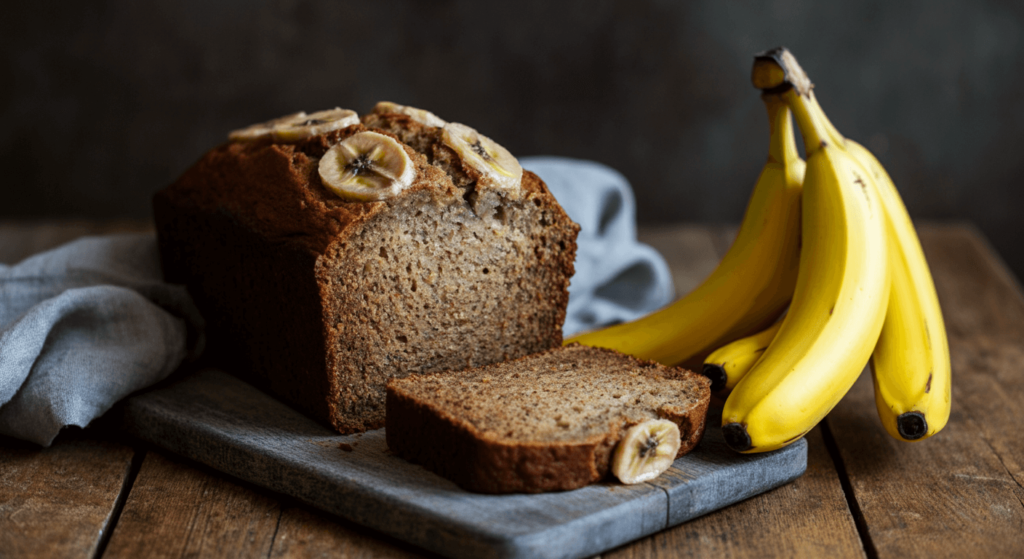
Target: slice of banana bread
{"x":544,"y":422}
{"x":320,"y":299}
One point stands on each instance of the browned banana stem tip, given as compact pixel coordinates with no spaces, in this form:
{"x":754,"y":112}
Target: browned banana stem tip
{"x":717,"y":375}
{"x":777,"y":70}
{"x":736,"y":437}
{"x":912,"y":425}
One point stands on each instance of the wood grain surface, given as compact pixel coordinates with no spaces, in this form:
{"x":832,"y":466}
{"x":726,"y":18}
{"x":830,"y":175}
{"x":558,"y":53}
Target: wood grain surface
{"x":304,"y":533}
{"x":177,"y":510}
{"x":960,"y":493}
{"x":59,"y":501}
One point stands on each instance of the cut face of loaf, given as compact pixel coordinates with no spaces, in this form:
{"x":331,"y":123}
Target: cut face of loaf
{"x":544,"y":422}
{"x":320,"y":301}
{"x":431,"y":288}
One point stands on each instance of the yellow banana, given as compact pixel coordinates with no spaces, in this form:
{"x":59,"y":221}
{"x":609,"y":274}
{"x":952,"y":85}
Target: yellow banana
{"x":910,"y":365}
{"x":751,"y":285}
{"x":729,"y":363}
{"x":842,"y":288}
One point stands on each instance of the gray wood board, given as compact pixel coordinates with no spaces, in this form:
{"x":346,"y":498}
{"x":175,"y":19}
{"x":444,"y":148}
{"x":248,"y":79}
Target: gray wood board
{"x":219,"y":420}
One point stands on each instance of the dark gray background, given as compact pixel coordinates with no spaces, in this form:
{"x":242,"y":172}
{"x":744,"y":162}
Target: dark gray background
{"x":103,"y":103}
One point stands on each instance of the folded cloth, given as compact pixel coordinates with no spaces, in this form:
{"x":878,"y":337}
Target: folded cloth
{"x":617,"y":278}
{"x":84,"y":325}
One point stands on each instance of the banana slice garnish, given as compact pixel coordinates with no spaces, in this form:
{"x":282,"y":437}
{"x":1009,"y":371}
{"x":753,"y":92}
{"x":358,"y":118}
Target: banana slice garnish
{"x":421,"y":116}
{"x":646,"y":450}
{"x":498,"y":166}
{"x":367,"y":166}
{"x":256,"y":131}
{"x":298,"y":126}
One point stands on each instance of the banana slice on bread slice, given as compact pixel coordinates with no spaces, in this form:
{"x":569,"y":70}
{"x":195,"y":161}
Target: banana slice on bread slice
{"x":298,"y":126}
{"x":646,"y":450}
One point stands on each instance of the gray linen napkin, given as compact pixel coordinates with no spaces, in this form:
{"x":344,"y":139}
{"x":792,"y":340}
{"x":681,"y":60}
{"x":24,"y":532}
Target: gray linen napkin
{"x":84,"y":325}
{"x":617,"y":278}
{"x":92,"y":321}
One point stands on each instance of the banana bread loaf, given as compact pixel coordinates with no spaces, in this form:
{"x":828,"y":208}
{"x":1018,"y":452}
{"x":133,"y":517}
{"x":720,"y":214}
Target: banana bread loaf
{"x":544,"y":422}
{"x":329,"y":256}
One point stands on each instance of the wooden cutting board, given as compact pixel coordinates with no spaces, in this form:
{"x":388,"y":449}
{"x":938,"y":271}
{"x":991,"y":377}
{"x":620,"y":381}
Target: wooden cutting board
{"x":219,"y":420}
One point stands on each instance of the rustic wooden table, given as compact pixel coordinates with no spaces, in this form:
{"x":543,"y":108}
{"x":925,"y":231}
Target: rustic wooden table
{"x":95,"y":493}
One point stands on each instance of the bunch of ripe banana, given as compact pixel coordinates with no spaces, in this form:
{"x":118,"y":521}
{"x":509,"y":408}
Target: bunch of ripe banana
{"x":825,"y":274}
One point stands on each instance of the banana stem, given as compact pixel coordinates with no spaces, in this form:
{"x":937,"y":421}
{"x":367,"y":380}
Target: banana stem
{"x":819,"y":115}
{"x":811,"y":128}
{"x":778,"y":73}
{"x":782,"y":145}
